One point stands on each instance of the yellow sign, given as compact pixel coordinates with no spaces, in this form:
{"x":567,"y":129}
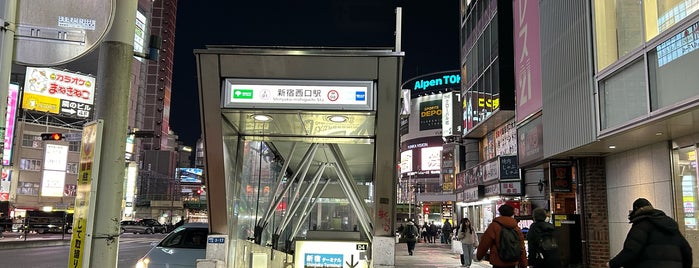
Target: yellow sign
{"x":82,"y":199}
{"x":40,"y":103}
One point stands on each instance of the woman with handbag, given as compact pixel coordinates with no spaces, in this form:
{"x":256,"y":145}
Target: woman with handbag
{"x":469,"y":241}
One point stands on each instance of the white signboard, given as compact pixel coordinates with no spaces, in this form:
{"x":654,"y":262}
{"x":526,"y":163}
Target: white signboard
{"x":60,"y":85}
{"x":447,"y":116}
{"x":491,"y":170}
{"x":56,"y":157}
{"x":331,"y":254}
{"x":431,"y":158}
{"x":302,"y":94}
{"x":52,"y":183}
{"x":406,"y":161}
{"x":511,"y":188}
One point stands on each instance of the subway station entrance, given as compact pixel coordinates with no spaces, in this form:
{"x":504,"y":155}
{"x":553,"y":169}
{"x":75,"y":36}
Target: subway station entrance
{"x":300,"y":155}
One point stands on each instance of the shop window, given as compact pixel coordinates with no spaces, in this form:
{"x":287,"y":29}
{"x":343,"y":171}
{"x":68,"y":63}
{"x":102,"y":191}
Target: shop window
{"x":618,"y":29}
{"x":660,"y":15}
{"x":668,"y":69}
{"x":623,"y":96}
{"x":685,"y":181}
{"x":74,"y":146}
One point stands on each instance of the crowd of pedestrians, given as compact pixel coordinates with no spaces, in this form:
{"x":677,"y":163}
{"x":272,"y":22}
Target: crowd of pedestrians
{"x":654,"y":240}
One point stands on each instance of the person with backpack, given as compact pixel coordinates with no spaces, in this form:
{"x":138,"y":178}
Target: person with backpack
{"x":653,"y":241}
{"x":446,"y":232}
{"x":469,"y":239}
{"x":543,"y":247}
{"x":410,"y":233}
{"x":505,"y":241}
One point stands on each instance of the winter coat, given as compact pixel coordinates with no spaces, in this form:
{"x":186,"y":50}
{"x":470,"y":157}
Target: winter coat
{"x":467,"y":237}
{"x":552,"y":259}
{"x":410,"y":229}
{"x":653,"y":241}
{"x":491,"y":237}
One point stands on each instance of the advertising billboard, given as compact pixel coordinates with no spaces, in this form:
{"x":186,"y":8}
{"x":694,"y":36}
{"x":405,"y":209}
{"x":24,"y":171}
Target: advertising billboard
{"x":190,"y":175}
{"x":527,"y":58}
{"x":58,"y":92}
{"x":10,"y":117}
{"x":56,"y":157}
{"x":53,"y":183}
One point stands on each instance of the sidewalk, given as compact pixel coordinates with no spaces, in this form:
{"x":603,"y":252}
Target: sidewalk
{"x":434,"y":255}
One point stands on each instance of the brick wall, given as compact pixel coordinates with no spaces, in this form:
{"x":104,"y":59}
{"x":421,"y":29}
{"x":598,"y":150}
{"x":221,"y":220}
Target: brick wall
{"x":594,"y":194}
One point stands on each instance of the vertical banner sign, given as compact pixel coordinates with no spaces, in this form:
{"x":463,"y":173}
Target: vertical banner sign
{"x":527,"y":58}
{"x":84,"y":200}
{"x":561,"y":177}
{"x":10,"y":124}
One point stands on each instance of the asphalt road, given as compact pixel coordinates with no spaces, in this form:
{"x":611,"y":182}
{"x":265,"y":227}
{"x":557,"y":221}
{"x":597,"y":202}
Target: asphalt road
{"x":131,"y":248}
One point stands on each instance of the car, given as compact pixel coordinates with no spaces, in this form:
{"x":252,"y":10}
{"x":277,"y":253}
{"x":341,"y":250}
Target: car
{"x":135,"y":227}
{"x":181,"y":248}
{"x":155,"y":225}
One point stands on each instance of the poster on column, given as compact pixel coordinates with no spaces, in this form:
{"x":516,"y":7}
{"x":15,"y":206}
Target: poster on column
{"x":90,"y":149}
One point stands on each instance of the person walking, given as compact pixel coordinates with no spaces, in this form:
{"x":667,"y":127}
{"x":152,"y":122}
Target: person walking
{"x":653,"y":241}
{"x":432,"y":232}
{"x":540,"y":233}
{"x":446,"y":232}
{"x":469,"y":239}
{"x":410,"y":233}
{"x":490,"y":240}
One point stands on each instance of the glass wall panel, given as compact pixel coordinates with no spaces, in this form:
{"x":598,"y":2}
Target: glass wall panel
{"x":685,"y":181}
{"x":618,"y":29}
{"x":671,"y":80}
{"x":660,"y":15}
{"x":623,"y":96}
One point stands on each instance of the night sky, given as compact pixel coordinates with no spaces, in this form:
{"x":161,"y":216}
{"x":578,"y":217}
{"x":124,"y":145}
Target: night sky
{"x":430,"y":37}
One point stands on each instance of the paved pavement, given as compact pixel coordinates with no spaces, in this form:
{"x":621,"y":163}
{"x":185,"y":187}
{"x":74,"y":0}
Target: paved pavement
{"x":433,"y":255}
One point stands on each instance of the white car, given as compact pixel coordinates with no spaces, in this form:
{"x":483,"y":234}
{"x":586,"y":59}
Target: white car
{"x":181,"y":248}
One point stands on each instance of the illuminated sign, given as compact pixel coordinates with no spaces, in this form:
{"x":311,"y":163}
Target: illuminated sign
{"x":406,"y":161}
{"x":190,"y":175}
{"x":10,"y":124}
{"x":331,"y":254}
{"x":430,"y":115}
{"x":56,"y":157}
{"x":300,"y":94}
{"x":431,"y":158}
{"x":5,"y":181}
{"x":441,"y":82}
{"x":40,"y":103}
{"x":139,"y":39}
{"x":59,"y":84}
{"x":52,"y":183}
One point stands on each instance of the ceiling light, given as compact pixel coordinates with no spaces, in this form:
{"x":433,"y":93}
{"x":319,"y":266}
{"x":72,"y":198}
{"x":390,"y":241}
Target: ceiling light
{"x":612,"y":146}
{"x":337,"y":118}
{"x":261,"y":117}
{"x":658,"y":133}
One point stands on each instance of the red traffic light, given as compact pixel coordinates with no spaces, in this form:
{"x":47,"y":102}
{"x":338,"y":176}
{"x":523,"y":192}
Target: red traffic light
{"x":51,"y":136}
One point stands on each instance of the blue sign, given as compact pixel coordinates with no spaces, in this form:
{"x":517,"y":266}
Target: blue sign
{"x":441,"y":82}
{"x":216,"y":240}
{"x":360,"y":96}
{"x":322,"y":260}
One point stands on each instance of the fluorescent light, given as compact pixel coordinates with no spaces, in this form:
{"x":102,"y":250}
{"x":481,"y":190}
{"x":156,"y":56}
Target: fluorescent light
{"x":612,"y":146}
{"x":337,"y":118}
{"x":261,"y":117}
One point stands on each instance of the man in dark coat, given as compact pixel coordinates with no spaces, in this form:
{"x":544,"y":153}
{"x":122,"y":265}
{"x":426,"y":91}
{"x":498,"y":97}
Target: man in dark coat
{"x":653,"y":241}
{"x":537,"y":258}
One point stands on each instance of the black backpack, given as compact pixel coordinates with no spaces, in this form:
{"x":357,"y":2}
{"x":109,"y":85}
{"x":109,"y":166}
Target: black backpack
{"x":509,"y":249}
{"x":547,"y":244}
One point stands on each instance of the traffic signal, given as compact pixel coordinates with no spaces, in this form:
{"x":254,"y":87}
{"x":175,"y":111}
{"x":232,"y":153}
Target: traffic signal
{"x":51,"y":136}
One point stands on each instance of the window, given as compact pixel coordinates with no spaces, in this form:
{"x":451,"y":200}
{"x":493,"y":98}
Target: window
{"x":660,"y":15}
{"x":30,"y":164}
{"x":28,"y":188}
{"x":74,"y":146}
{"x":618,"y":29}
{"x":72,"y":168}
{"x":33,"y":141}
{"x":668,"y":69}
{"x":623,"y":96}
{"x":686,"y":194}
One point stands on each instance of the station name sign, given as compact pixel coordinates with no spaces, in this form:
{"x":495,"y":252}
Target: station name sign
{"x":299,"y":94}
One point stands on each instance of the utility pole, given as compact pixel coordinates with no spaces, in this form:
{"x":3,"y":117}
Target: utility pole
{"x":114,"y":82}
{"x":8,"y":26}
